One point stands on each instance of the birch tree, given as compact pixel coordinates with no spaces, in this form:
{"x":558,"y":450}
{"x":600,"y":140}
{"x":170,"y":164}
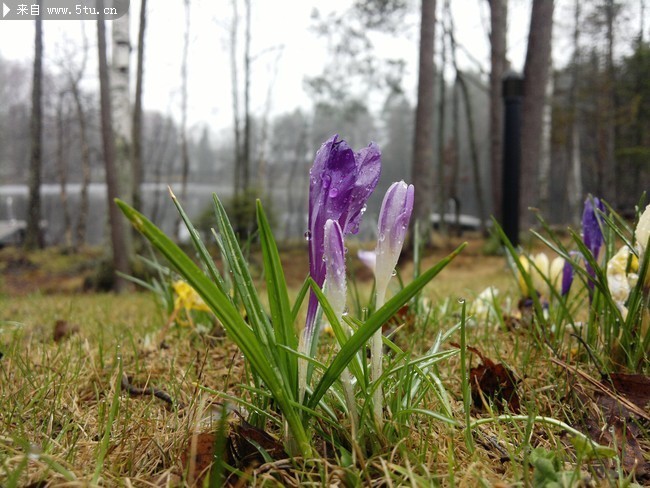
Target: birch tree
{"x":121,"y":110}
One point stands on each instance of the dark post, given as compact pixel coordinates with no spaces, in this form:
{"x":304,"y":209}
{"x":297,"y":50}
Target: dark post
{"x":512,"y":96}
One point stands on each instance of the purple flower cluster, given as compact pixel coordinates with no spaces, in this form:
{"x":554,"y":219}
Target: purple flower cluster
{"x":341,"y":181}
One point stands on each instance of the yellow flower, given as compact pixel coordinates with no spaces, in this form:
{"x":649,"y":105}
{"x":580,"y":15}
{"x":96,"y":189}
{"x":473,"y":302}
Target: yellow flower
{"x":618,"y":281}
{"x":541,"y":270}
{"x":187,"y":299}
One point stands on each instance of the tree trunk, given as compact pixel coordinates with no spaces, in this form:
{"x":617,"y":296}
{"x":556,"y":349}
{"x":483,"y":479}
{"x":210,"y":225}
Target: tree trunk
{"x":469,"y":115}
{"x":122,"y":117}
{"x":34,"y":236}
{"x":85,"y":169}
{"x":138,"y":170}
{"x":609,"y":161}
{"x":235,"y":99}
{"x":498,"y":36}
{"x":246,"y":149}
{"x":440,"y":177}
{"x":185,"y":156}
{"x":75,"y":80}
{"x":61,"y":145}
{"x":422,"y":166}
{"x":476,"y":165}
{"x":545,"y":149}
{"x":536,"y":72}
{"x":574,"y":184}
{"x":120,"y":251}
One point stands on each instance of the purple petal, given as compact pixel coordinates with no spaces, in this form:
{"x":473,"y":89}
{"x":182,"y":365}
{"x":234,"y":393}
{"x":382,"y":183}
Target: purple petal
{"x":592,"y":234}
{"x":334,"y":255}
{"x":567,"y":277}
{"x":394,"y":217}
{"x":395,"y":214}
{"x":368,"y":170}
{"x":340,"y":184}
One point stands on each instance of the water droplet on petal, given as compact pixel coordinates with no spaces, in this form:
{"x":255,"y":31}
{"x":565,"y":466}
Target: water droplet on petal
{"x":334,"y":192}
{"x":394,"y":272}
{"x":345,"y":250}
{"x":363,"y":209}
{"x":381,"y":237}
{"x":327,"y":179}
{"x":307,"y":236}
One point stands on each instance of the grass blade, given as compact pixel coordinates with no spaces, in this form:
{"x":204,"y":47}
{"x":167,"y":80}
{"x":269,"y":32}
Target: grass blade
{"x":243,"y":280}
{"x":365,"y":332}
{"x":199,"y":246}
{"x":233,"y":323}
{"x":281,"y":316}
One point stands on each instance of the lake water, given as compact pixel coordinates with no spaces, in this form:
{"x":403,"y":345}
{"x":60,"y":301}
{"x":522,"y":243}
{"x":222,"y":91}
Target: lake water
{"x":159,"y":208}
{"x":157,"y":205}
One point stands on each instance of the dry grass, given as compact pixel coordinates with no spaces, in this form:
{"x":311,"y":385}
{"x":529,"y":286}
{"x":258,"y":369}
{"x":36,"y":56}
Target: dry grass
{"x":56,"y":398}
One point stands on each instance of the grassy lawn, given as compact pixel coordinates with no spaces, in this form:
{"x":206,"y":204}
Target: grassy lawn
{"x":82,"y":410}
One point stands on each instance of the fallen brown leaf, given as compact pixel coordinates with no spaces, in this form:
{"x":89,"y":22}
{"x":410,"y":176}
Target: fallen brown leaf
{"x":63,"y":330}
{"x":493,"y":381}
{"x":244,"y":441}
{"x":634,"y":387}
{"x":198,"y":456}
{"x":611,"y":424}
{"x":612,"y":413}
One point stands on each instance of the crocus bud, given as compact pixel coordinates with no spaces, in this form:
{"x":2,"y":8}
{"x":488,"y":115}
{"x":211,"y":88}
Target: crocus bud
{"x":592,"y":235}
{"x":617,"y":279}
{"x":642,"y":234}
{"x":555,"y":272}
{"x":567,"y":278}
{"x":538,"y":271}
{"x":335,"y":281}
{"x":394,"y":219}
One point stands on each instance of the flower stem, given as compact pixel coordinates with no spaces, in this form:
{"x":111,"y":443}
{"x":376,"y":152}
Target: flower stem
{"x":376,"y":362}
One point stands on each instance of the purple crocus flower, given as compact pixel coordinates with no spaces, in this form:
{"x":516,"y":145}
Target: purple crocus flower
{"x":340,"y":184}
{"x":394,"y":219}
{"x":592,"y":235}
{"x":567,"y":277}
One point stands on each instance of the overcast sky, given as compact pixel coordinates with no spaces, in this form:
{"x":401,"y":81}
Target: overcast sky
{"x":284,"y":46}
